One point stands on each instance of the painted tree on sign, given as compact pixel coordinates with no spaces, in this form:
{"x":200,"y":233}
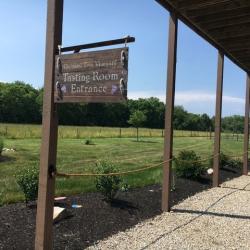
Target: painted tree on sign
{"x":136,"y":119}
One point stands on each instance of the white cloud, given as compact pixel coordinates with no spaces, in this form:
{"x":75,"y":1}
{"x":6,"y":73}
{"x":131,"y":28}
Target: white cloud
{"x":197,"y":101}
{"x":186,"y":97}
{"x":194,"y":97}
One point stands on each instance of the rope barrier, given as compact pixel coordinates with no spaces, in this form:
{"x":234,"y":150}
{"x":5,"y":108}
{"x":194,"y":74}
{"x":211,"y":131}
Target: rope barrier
{"x":142,"y":157}
{"x":115,"y":174}
{"x":137,"y":170}
{"x":126,"y":172}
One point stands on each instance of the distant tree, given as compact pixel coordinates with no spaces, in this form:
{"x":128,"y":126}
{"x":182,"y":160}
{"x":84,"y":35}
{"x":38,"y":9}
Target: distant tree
{"x":136,"y":120}
{"x":205,"y":123}
{"x":180,"y":120}
{"x":233,"y":123}
{"x":152,"y":107}
{"x":18,"y":103}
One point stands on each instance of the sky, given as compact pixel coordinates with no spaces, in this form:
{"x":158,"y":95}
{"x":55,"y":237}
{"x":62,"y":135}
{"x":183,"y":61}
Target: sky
{"x":22,"y":49}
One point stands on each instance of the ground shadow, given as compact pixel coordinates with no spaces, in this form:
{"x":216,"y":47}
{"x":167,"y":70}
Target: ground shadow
{"x":5,"y":158}
{"x":228,"y":173}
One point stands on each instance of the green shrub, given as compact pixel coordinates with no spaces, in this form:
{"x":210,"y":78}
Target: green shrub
{"x":27,"y":179}
{"x":1,"y":146}
{"x":187,"y":165}
{"x":107,"y":185}
{"x":125,"y":187}
{"x":88,"y":142}
{"x":236,"y":163}
{"x":225,"y":161}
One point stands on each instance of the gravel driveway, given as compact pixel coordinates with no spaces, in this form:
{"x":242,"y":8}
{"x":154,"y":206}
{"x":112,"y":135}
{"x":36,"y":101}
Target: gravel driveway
{"x":218,"y":218}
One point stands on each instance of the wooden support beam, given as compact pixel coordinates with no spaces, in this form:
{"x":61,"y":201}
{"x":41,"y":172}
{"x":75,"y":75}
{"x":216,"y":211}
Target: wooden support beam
{"x":168,"y":140}
{"x":246,"y":127}
{"x":44,"y":219}
{"x":217,"y":134}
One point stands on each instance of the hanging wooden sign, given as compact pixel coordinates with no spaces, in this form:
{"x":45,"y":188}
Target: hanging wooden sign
{"x":96,"y":76}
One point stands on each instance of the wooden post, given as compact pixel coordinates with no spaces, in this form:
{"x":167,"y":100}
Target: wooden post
{"x":44,"y":219}
{"x":246,"y":127}
{"x":217,"y":132}
{"x":168,"y":140}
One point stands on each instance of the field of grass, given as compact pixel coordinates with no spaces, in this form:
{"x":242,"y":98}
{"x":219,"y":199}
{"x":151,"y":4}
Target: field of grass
{"x":76,"y":157}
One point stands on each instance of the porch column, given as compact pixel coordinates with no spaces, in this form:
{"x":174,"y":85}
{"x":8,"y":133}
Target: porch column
{"x":246,"y":127}
{"x":168,"y":135}
{"x":217,"y":136}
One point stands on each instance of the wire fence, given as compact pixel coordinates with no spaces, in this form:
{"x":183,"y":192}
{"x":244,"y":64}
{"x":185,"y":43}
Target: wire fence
{"x":26,"y":131}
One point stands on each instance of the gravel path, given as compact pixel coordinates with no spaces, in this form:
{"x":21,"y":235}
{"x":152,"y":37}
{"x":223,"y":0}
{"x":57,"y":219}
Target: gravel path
{"x":218,"y":218}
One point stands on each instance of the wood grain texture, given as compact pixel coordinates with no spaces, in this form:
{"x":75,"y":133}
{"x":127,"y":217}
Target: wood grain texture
{"x":217,"y":130}
{"x":44,"y":219}
{"x":246,"y":127}
{"x":168,"y":135}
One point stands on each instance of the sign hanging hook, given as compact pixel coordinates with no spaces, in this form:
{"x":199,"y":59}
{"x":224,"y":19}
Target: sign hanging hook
{"x":59,"y":49}
{"x":126,"y":40}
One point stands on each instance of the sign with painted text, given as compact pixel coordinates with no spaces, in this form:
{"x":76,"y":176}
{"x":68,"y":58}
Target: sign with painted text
{"x":96,"y":76}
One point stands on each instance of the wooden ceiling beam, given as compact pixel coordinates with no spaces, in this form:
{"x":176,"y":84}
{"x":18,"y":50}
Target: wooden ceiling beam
{"x":235,"y":40}
{"x":217,"y":8}
{"x":240,"y":50}
{"x":230,"y":33}
{"x":227,"y":22}
{"x":194,"y":4}
{"x":227,"y":15}
{"x":231,"y":28}
{"x":237,"y":47}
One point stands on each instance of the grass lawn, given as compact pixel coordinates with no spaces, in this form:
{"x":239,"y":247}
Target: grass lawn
{"x":76,"y":157}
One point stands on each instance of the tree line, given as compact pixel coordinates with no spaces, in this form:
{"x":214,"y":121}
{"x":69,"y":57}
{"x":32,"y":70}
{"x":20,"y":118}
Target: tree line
{"x":22,"y":103}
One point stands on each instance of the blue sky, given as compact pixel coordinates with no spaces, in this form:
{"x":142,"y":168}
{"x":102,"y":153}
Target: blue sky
{"x":22,"y":44}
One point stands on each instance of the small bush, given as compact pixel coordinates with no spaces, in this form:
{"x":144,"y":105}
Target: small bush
{"x":125,"y":187}
{"x":186,"y":165}
{"x":107,"y":185}
{"x":1,"y":146}
{"x":88,"y":142}
{"x":27,"y":179}
{"x":236,"y":163}
{"x":225,"y":161}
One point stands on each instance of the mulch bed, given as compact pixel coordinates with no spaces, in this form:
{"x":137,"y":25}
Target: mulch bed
{"x":97,"y":219}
